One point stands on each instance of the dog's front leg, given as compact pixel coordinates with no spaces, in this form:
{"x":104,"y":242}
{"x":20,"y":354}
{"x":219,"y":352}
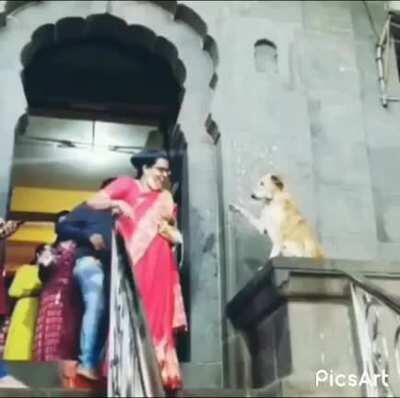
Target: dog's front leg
{"x":256,"y":223}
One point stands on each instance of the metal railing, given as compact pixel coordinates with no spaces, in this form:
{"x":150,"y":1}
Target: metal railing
{"x":133,"y":370}
{"x":377,"y":316}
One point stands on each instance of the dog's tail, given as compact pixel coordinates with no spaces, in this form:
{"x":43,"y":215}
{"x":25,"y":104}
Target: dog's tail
{"x":314,"y":250}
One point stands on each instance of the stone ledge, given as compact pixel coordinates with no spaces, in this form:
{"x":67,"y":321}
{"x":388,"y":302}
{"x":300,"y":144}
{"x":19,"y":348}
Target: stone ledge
{"x":284,"y":279}
{"x":302,"y":387}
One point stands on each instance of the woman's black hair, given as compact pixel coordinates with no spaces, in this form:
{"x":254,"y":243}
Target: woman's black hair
{"x":38,"y":250}
{"x":107,"y":181}
{"x":147,"y":158}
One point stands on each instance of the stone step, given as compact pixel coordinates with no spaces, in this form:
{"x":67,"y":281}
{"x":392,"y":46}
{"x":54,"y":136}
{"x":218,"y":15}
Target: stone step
{"x":43,"y":379}
{"x":36,"y":374}
{"x":212,"y":392}
{"x":45,"y":392}
{"x":297,"y":386}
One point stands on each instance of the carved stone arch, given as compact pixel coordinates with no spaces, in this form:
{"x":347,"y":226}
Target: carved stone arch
{"x":149,"y":70}
{"x":71,"y":29}
{"x":180,"y":12}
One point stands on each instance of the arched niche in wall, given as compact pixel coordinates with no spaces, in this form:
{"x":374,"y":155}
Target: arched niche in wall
{"x":265,"y":56}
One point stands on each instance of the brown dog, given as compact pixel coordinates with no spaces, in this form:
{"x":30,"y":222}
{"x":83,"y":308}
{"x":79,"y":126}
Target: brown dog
{"x":281,"y":220}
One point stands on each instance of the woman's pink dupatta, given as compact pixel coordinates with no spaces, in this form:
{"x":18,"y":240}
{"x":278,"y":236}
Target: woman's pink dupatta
{"x":149,"y":209}
{"x":155,"y":270}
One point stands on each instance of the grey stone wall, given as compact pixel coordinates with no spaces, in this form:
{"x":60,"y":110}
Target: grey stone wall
{"x":317,"y":121}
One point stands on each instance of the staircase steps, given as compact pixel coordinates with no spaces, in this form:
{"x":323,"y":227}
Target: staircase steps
{"x":45,"y":392}
{"x":212,"y":392}
{"x":42,"y":380}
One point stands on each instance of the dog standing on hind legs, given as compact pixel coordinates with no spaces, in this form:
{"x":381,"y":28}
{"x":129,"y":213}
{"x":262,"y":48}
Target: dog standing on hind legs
{"x":281,"y":220}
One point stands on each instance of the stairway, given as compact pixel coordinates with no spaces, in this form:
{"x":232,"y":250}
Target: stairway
{"x":212,"y":392}
{"x":44,"y":392}
{"x":42,"y":379}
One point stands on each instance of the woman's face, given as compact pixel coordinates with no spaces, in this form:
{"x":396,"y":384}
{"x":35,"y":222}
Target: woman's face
{"x":156,"y":175}
{"x":45,"y":255}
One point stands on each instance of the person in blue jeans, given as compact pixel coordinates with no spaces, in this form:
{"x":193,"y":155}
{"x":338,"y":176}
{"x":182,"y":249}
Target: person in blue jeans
{"x":3,"y":370}
{"x":7,"y":380}
{"x":91,"y":231}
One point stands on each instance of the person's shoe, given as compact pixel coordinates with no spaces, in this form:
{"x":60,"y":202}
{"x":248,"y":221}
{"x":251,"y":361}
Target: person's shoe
{"x":11,"y":382}
{"x":88,"y":373}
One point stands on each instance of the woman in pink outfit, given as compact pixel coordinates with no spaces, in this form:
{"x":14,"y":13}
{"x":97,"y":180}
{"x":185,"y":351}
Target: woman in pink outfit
{"x":144,"y":208}
{"x":60,"y":312}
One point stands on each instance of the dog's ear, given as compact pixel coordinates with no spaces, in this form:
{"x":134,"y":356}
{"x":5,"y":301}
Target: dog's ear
{"x":277,"y":181}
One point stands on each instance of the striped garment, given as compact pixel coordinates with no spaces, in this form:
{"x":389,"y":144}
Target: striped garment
{"x":7,"y":228}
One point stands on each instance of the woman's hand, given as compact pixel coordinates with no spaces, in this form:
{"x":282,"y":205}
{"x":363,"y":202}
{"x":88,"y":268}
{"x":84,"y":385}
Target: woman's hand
{"x":122,"y":208}
{"x":97,"y":242}
{"x":170,"y":232}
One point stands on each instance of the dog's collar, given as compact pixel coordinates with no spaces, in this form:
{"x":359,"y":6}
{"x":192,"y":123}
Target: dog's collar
{"x":268,"y":200}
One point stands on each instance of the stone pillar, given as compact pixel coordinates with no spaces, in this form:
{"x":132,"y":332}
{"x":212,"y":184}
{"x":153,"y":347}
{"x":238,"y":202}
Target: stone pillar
{"x":298,"y":319}
{"x":203,"y":254}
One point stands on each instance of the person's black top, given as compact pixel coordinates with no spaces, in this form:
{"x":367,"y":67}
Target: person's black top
{"x":80,"y":224}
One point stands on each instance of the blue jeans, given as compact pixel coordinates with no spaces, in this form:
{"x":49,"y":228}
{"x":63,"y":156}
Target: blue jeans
{"x":89,"y":273}
{"x":3,"y":369}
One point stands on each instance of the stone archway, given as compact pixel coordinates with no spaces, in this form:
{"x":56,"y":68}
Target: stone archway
{"x":118,"y":70}
{"x":203,"y":252}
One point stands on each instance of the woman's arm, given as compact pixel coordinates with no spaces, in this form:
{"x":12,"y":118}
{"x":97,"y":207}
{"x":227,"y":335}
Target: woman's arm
{"x":170,"y":232}
{"x":77,"y":232}
{"x":102,"y":201}
{"x":168,"y":226}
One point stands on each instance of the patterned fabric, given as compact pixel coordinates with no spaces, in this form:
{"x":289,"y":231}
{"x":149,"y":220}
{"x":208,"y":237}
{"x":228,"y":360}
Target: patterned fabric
{"x":154,"y":267}
{"x":3,"y":334}
{"x":150,"y":209}
{"x":58,"y":325}
{"x":7,"y":228}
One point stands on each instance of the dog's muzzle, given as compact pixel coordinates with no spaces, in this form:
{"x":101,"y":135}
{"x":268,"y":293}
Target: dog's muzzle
{"x":254,"y":196}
